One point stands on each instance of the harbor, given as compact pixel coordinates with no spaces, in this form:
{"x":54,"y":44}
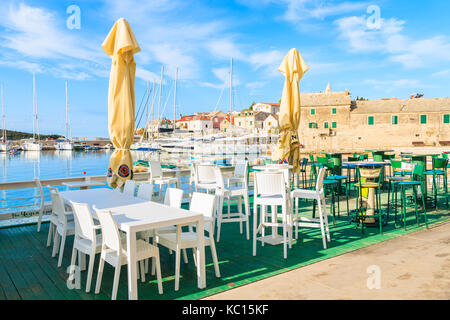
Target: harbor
{"x":240,"y":151}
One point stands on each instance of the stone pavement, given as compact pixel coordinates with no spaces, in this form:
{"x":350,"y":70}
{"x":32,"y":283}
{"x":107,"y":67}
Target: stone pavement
{"x":413,"y":266}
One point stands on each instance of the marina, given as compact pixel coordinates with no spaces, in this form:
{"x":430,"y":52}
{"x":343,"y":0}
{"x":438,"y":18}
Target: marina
{"x":174,"y":151}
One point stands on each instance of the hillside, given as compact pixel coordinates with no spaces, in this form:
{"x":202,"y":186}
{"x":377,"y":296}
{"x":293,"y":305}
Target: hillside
{"x":17,"y":135}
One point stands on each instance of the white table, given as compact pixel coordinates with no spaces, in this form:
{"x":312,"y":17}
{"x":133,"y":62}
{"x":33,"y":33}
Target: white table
{"x":83,"y":184}
{"x":133,"y":215}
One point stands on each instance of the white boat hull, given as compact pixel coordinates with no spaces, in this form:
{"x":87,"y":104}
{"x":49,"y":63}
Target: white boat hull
{"x":5,"y":147}
{"x":63,"y":146}
{"x":32,"y":146}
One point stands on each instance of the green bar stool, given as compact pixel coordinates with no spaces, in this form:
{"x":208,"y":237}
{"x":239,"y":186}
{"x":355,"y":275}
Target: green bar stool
{"x":417,"y":181}
{"x":303,"y":165}
{"x":371,"y":179}
{"x":439,"y":169}
{"x":339,"y":178}
{"x":399,"y":175}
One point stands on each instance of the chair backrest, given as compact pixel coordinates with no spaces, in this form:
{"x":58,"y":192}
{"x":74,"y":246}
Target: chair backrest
{"x":319,"y":181}
{"x":440,"y":163}
{"x":110,"y":231}
{"x":407,"y":166}
{"x":219,"y":178}
{"x":41,"y":191}
{"x":58,"y":207}
{"x":145,"y":191}
{"x":84,"y":223}
{"x":311,"y":158}
{"x":155,"y":169}
{"x":130,"y":186}
{"x":204,"y":203}
{"x":270,"y":183}
{"x":241,"y":168}
{"x":205,"y":173}
{"x":304,"y":163}
{"x":323,"y":160}
{"x":173,"y":197}
{"x":352,"y":159}
{"x":418,"y":171}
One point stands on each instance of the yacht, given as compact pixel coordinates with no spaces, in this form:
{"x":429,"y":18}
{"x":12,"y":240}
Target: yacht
{"x":67,"y":143}
{"x":33,"y":144}
{"x":5,"y":145}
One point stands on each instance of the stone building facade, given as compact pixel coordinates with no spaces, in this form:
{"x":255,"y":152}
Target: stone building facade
{"x":332,"y":122}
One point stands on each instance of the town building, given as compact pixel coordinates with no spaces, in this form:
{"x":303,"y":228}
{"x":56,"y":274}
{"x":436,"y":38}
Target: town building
{"x":332,"y":121}
{"x":267,"y":107}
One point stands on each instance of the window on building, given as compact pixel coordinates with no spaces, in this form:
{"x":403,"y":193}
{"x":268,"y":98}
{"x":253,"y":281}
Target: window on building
{"x":239,"y":124}
{"x":246,"y":113}
{"x":334,"y":124}
{"x":251,"y":122}
{"x":325,"y":125}
{"x":423,"y":118}
{"x":312,"y":125}
{"x":446,"y":118}
{"x":313,"y":112}
{"x":333,"y":111}
{"x":394,"y":119}
{"x":370,"y":120}
{"x":269,"y":123}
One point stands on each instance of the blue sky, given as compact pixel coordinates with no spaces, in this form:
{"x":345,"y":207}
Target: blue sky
{"x":407,"y":52}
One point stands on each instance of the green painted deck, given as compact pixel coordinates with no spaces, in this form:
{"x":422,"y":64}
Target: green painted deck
{"x":27,"y":270}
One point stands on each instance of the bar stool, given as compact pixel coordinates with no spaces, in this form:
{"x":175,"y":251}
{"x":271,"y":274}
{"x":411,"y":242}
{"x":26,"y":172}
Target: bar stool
{"x":372,"y":180}
{"x":416,"y":181}
{"x":439,"y":169}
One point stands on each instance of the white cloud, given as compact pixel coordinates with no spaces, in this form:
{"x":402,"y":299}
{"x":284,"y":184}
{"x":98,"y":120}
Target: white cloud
{"x":399,"y":83}
{"x":390,"y":40}
{"x":441,"y":73}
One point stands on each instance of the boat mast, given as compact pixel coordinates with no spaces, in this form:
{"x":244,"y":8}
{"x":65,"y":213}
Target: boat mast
{"x":68,"y":129}
{"x":3,"y":116}
{"x":231,"y":93}
{"x":34,"y":106}
{"x":160,"y":94}
{"x":153,"y":102}
{"x":145,"y":135}
{"x":175,"y":100}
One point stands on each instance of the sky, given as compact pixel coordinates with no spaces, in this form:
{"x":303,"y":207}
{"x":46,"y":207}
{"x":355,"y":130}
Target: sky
{"x":375,"y":49}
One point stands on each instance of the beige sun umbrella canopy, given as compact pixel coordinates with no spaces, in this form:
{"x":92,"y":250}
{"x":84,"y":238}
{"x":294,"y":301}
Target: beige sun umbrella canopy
{"x":121,"y":45}
{"x":293,"y":67}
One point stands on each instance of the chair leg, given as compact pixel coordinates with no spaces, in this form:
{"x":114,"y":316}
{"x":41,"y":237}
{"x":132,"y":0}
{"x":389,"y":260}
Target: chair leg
{"x":158,"y":273}
{"x":322,"y":229}
{"x":55,"y":242}
{"x":255,"y":220}
{"x":247,"y":214}
{"x":219,"y":218}
{"x":141,"y":264}
{"x":325,"y":217}
{"x":177,"y":268}
{"x":185,"y":257}
{"x":214,"y":257}
{"x":116,"y":282}
{"x":90,"y":270}
{"x":100,"y":274}
{"x":61,"y":249}
{"x":50,"y":231}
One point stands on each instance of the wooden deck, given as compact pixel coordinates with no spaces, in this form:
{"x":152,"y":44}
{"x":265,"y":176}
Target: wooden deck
{"x":27,"y":270}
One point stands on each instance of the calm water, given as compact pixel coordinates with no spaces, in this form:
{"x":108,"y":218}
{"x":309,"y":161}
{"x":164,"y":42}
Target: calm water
{"x":30,"y":165}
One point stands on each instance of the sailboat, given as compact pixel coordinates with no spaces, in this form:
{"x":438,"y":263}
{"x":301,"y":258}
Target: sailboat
{"x":33,"y":144}
{"x":5,"y":145}
{"x":66,"y":144}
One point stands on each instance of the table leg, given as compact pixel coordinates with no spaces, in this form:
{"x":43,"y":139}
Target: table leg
{"x":132,"y":272}
{"x":201,"y":273}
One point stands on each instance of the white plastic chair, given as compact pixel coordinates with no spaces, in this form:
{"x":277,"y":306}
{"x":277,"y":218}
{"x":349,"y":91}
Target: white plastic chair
{"x":86,"y":240}
{"x":319,"y":195}
{"x":42,"y":207}
{"x":270,"y":190}
{"x":227,"y":193}
{"x":63,"y":227}
{"x":145,"y":191}
{"x":200,"y":203}
{"x":156,"y":177}
{"x":114,"y":251}
{"x":239,"y":175}
{"x":129,"y":187}
{"x":205,"y":178}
